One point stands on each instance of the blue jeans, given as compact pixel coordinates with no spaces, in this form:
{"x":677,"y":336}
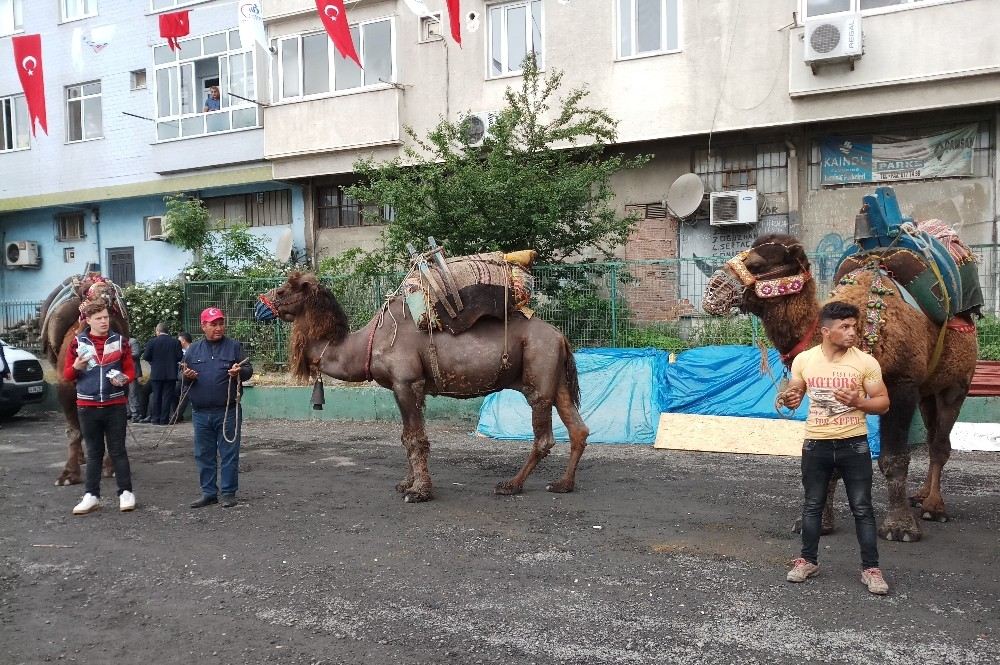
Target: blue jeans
{"x":210,"y":434}
{"x":851,"y":457}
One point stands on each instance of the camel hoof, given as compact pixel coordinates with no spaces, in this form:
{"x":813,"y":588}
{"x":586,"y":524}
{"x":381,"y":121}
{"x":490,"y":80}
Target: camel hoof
{"x":906,"y":533}
{"x":915,"y":501}
{"x":403,"y":487}
{"x":507,"y":488}
{"x":560,"y":487}
{"x":416,"y":497}
{"x":934,"y":516}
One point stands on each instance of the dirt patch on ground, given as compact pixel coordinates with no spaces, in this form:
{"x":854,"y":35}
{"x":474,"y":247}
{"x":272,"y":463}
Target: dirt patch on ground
{"x":658,"y":557}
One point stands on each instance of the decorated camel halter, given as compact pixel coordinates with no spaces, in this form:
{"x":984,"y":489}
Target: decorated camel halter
{"x":767,"y":288}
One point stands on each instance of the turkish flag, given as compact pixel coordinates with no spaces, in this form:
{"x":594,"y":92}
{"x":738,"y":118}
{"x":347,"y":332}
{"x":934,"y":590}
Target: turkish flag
{"x":334,"y":18}
{"x":28,"y":58}
{"x":454,"y":17}
{"x":175,"y":25}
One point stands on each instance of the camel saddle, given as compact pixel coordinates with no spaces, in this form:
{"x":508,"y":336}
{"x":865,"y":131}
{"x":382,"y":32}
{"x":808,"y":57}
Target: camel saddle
{"x":927,"y":259}
{"x":452,"y":294}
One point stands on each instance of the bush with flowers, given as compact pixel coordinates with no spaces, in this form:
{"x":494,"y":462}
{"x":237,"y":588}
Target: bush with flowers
{"x":149,"y":304}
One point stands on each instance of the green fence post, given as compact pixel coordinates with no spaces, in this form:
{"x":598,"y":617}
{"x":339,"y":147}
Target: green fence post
{"x":614,"y":304}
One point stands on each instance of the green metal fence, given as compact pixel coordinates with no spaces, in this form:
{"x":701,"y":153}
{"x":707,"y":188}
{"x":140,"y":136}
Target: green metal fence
{"x":623,"y":304}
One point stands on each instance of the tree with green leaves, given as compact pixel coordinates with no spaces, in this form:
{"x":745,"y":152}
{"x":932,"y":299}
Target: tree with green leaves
{"x":541,"y":179}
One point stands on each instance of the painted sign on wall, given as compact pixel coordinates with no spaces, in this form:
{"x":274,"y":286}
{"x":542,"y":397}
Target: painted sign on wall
{"x":886,"y":158}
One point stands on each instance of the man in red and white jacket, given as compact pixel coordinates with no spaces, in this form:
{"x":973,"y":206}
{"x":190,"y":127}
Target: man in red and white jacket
{"x":99,"y":361}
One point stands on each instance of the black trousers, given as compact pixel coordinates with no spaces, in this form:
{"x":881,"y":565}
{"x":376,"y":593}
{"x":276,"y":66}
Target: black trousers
{"x":100,"y":425}
{"x":160,"y":401}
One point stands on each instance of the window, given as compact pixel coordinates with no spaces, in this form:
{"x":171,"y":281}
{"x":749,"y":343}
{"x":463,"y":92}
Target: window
{"x":14,"y":124}
{"x":156,"y":5}
{"x":310,"y":64}
{"x":76,"y":9}
{"x":10,"y":17}
{"x":515,"y":29}
{"x":763,"y":167}
{"x":335,"y":209}
{"x":69,"y":226}
{"x":83,"y":112}
{"x":648,"y":27}
{"x":814,"y":8}
{"x":137,"y":79}
{"x":273,"y":208}
{"x":184,"y":81}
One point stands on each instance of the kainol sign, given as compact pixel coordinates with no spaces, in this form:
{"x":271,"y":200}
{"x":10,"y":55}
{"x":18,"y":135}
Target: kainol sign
{"x":885,"y":158}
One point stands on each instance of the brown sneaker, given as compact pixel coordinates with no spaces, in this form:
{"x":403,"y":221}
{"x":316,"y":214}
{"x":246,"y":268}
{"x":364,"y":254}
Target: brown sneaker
{"x":872,"y":578}
{"x":802,"y":570}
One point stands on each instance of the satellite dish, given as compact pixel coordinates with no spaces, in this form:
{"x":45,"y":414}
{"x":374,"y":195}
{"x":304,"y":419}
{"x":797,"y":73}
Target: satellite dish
{"x":685,"y":195}
{"x":283,"y":247}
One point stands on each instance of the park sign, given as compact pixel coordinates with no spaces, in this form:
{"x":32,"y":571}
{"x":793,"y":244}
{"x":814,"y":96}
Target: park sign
{"x":886,"y":158}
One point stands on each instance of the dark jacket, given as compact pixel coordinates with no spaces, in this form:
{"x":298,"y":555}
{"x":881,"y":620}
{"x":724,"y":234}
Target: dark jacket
{"x":163,"y":352}
{"x":212,"y":361}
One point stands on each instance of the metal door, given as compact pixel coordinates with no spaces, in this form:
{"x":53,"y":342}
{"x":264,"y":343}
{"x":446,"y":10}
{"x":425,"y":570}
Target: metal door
{"x":121,"y":265}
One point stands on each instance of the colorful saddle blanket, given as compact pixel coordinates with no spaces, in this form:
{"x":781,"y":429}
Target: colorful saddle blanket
{"x":928,"y":258}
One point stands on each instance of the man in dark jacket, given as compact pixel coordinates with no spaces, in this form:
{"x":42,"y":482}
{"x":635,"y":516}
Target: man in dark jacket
{"x":163,"y":352}
{"x":215,"y":368}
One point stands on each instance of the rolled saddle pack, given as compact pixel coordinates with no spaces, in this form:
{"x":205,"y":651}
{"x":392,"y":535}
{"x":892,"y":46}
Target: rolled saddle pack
{"x":452,"y":294}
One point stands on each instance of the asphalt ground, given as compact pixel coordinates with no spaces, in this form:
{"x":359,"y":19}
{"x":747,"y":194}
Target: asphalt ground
{"x":658,"y":557}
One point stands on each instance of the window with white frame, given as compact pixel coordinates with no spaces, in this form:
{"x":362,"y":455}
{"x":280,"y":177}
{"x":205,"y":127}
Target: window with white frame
{"x":83,"y":112}
{"x":184,"y":82}
{"x":10,"y":17}
{"x":514,"y":31}
{"x":814,"y":8}
{"x":15,"y":125}
{"x":648,"y":27}
{"x":310,"y":64}
{"x":76,"y":9}
{"x":157,"y":5}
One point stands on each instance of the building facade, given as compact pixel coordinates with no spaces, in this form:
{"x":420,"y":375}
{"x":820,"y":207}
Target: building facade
{"x":129,"y":123}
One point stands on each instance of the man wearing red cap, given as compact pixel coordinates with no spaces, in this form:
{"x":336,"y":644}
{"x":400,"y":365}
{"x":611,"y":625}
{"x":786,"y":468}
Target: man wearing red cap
{"x":215,"y":368}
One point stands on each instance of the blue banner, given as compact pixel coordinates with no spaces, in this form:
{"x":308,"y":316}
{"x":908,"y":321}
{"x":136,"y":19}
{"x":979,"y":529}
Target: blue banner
{"x":845,"y":160}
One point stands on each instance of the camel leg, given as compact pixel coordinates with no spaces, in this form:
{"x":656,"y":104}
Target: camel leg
{"x":71,"y":474}
{"x":894,"y":462}
{"x":541,"y":424}
{"x":948,"y":404}
{"x":578,"y":433}
{"x":410,"y":399}
{"x":928,"y":412}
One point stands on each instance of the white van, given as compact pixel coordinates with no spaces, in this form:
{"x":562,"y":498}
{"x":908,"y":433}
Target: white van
{"x":23,"y":382}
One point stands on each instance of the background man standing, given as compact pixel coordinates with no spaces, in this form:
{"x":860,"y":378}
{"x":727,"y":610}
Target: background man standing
{"x":215,"y":367}
{"x":838,"y":377}
{"x":163,"y":352}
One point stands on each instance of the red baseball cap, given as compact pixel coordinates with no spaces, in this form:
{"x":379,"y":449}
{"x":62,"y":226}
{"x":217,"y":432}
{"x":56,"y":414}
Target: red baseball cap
{"x":211,"y":314}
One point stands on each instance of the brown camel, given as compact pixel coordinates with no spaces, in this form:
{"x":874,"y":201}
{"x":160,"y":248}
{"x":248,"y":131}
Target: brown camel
{"x":60,"y":315}
{"x":393,"y":352}
{"x":904,"y":350}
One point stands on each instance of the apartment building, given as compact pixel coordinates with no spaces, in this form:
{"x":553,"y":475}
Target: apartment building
{"x":127,"y":125}
{"x":725,"y":89}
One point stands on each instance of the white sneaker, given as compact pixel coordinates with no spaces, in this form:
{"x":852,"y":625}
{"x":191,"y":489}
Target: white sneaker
{"x":126,"y":501}
{"x":88,"y":504}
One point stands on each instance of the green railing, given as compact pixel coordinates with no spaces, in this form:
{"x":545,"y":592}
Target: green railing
{"x":653,"y":303}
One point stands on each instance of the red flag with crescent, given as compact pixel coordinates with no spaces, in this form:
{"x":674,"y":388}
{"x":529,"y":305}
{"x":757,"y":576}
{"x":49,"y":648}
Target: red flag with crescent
{"x":334,"y":18}
{"x":175,"y":25}
{"x":454,"y":16}
{"x":28,"y":58}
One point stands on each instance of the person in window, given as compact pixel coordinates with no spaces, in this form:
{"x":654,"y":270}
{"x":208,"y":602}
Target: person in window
{"x":212,"y":101}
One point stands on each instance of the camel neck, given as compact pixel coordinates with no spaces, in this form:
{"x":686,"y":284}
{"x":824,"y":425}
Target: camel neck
{"x":344,"y":360}
{"x":791,"y":323}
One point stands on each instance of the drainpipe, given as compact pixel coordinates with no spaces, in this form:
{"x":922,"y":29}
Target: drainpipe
{"x":794,"y":221}
{"x":95,"y":217}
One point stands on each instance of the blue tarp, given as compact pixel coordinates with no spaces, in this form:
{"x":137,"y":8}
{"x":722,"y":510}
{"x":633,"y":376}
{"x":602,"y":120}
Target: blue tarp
{"x":624,"y":390}
{"x":619,"y":399}
{"x":726,"y":381}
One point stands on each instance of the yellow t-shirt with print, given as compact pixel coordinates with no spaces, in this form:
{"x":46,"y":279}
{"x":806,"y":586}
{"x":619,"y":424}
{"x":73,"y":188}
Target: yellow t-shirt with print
{"x":828,"y":418}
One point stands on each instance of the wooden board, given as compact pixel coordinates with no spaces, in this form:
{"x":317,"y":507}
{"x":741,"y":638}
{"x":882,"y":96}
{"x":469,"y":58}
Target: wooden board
{"x":730,"y":434}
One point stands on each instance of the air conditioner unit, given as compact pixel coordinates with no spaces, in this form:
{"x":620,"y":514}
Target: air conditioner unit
{"x":476,"y":127}
{"x":155,"y":229}
{"x":23,"y":253}
{"x":735,"y":207}
{"x":835,"y":38}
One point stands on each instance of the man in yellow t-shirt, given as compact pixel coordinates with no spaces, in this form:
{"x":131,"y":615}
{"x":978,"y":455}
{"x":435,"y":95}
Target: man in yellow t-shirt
{"x":844,"y":384}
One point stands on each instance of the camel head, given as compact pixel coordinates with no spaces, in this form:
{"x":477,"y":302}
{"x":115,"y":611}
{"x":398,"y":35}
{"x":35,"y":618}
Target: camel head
{"x":92,"y":287}
{"x":288,"y":300}
{"x":775,"y":266}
